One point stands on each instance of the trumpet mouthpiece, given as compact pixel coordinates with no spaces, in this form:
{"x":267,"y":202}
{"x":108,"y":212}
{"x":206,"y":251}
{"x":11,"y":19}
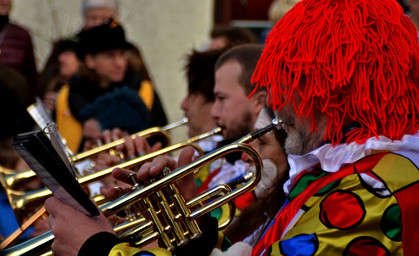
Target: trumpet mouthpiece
{"x":277,"y":123}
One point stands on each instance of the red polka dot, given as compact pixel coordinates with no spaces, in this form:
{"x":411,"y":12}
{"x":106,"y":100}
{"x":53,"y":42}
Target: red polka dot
{"x":342,"y":210}
{"x":365,"y":246}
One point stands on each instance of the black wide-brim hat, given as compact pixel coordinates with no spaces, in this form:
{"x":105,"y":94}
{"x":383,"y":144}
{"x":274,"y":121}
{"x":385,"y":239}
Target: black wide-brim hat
{"x":102,"y":38}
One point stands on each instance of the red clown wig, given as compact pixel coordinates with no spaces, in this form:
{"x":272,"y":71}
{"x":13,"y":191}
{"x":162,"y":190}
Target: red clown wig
{"x":356,"y":59}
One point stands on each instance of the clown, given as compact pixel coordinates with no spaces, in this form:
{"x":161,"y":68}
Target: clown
{"x":343,"y":76}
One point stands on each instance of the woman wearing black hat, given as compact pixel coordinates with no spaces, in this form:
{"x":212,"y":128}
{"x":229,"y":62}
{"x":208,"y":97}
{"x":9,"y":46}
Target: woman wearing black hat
{"x":106,"y":65}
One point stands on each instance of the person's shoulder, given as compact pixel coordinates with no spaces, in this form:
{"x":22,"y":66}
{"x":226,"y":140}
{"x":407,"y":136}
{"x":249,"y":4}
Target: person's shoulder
{"x":19,"y":30}
{"x":18,"y":27}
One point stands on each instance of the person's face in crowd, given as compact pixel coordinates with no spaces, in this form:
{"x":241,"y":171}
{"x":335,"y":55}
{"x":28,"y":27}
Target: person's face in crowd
{"x":97,"y":16}
{"x":198,"y":111}
{"x":232,"y":109}
{"x":110,"y":65}
{"x":69,"y":64}
{"x":267,"y":145}
{"x":5,"y":6}
{"x":218,"y":43}
{"x":92,"y":133}
{"x":300,"y":139}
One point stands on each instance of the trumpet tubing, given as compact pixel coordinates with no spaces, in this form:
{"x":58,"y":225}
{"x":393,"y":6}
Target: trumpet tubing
{"x":195,"y":208}
{"x":12,"y":178}
{"x":165,"y":209}
{"x":20,"y":201}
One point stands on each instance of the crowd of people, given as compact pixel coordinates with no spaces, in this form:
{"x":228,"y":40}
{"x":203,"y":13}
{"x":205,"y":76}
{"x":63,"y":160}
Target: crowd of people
{"x":339,"y":172}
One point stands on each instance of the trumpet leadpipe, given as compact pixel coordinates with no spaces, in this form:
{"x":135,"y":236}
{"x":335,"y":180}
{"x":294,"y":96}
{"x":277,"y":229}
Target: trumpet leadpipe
{"x":275,"y":124}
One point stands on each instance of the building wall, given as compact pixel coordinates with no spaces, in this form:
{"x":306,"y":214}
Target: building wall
{"x":164,"y":30}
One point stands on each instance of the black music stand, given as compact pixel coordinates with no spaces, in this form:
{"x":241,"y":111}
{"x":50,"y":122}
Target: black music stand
{"x":53,"y":169}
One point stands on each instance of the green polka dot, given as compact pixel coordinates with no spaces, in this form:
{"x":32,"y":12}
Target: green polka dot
{"x":216,"y":213}
{"x":226,"y":244}
{"x":304,"y":181}
{"x":198,"y":183}
{"x":391,"y":223}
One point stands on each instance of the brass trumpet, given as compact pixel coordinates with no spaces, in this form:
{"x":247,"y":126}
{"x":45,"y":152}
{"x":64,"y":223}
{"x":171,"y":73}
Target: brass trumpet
{"x":10,"y":179}
{"x":20,"y":201}
{"x":179,"y":225}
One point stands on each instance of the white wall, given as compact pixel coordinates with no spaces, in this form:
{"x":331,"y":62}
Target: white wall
{"x":165,"y":31}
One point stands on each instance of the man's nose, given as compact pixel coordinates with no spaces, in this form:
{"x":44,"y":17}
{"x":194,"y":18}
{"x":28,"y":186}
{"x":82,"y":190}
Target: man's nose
{"x":184,"y":104}
{"x":215,"y":111}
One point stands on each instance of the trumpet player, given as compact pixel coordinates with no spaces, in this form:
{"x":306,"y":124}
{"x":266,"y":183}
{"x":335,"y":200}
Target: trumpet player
{"x":233,"y":111}
{"x":268,"y":193}
{"x":343,"y":77}
{"x":122,"y":111}
{"x":122,"y":108}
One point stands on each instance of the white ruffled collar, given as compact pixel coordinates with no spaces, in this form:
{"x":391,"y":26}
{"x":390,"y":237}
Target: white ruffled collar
{"x":332,"y":158}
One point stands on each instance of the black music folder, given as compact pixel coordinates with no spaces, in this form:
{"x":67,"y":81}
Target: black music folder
{"x":53,"y":169}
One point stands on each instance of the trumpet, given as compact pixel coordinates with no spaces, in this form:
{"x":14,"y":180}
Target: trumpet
{"x":20,"y":200}
{"x":10,"y":179}
{"x":179,"y":225}
{"x":163,"y":131}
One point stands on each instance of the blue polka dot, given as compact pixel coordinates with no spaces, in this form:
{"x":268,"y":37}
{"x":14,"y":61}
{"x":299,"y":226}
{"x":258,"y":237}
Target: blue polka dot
{"x":302,"y":245}
{"x":144,"y":254}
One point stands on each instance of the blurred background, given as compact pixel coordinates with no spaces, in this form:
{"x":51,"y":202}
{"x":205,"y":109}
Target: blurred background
{"x":164,"y":30}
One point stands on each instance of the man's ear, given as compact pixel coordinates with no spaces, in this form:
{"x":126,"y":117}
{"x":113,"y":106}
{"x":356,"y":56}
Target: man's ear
{"x":259,"y":101}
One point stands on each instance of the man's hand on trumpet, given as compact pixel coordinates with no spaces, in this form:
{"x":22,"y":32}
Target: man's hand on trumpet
{"x":137,"y":147}
{"x":130,"y":149}
{"x":187,"y":185}
{"x":72,"y":228}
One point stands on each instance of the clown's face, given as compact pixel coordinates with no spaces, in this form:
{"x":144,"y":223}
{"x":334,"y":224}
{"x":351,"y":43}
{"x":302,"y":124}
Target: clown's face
{"x":301,"y":139}
{"x":268,"y":145}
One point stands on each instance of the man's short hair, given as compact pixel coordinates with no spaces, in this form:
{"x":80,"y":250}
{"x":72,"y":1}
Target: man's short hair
{"x":234,"y":35}
{"x":200,"y":73}
{"x":247,"y":56}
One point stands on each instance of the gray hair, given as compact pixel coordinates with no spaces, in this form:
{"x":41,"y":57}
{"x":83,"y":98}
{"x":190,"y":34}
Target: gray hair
{"x":111,"y":4}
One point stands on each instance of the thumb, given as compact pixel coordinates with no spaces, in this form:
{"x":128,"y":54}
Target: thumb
{"x":186,"y":156}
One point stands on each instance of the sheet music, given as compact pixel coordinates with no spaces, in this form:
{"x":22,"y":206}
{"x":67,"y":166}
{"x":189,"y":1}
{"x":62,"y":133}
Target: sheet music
{"x":40,"y":114}
{"x":44,"y":121}
{"x":37,"y":151}
{"x":52,"y":131}
{"x":51,"y":183}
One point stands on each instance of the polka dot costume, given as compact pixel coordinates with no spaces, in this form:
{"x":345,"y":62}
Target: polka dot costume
{"x":357,"y":214}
